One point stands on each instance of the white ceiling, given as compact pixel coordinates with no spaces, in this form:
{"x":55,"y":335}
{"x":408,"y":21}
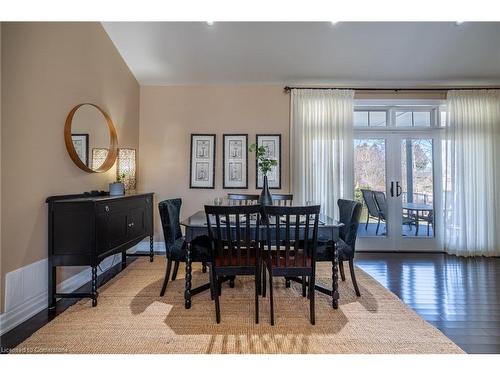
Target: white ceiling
{"x":382,"y":53}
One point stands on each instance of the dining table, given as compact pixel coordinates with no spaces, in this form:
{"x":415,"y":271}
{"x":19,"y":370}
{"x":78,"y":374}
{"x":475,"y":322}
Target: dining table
{"x":196,"y":225}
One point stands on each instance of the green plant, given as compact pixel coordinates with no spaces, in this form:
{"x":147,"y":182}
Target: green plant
{"x":264,"y":163}
{"x":121,"y":178}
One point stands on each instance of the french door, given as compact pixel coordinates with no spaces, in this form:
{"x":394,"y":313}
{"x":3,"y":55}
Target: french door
{"x":398,"y":181}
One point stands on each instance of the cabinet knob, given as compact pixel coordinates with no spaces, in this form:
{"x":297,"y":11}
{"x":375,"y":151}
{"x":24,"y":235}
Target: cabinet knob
{"x":130,"y":225}
{"x":106,"y":208}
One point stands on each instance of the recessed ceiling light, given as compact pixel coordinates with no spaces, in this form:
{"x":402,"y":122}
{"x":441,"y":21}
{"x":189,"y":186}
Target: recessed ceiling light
{"x":334,"y":22}
{"x":210,"y":23}
{"x":458,"y":23}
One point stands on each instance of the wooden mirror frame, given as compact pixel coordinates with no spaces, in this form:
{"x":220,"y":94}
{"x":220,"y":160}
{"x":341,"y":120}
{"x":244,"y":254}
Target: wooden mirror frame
{"x":113,"y":142}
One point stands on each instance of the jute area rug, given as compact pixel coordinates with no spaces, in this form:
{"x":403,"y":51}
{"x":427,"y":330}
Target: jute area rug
{"x":131,"y":317}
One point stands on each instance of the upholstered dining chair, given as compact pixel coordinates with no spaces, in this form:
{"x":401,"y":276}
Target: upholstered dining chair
{"x":175,"y":245}
{"x":235,"y":247}
{"x":350,"y":213}
{"x":291,"y":241}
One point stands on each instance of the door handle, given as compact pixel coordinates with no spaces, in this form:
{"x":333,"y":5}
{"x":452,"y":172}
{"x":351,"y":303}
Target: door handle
{"x":130,"y":225}
{"x":399,"y":189}
{"x":392,"y":189}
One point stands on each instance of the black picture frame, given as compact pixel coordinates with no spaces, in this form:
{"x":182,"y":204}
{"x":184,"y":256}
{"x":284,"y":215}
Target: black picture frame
{"x":244,"y":155}
{"x":195,"y":160}
{"x":278,"y":136}
{"x":86,"y":137}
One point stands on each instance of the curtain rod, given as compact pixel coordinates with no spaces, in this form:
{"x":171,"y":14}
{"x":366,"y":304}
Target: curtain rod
{"x":288,"y":88}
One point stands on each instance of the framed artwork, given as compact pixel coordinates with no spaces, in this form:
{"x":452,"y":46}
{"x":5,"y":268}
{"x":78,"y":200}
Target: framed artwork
{"x":202,"y":166}
{"x":235,"y":161}
{"x":81,"y":145}
{"x":272,"y":142}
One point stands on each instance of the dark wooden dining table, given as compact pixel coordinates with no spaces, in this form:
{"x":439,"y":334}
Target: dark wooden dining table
{"x":196,"y":225}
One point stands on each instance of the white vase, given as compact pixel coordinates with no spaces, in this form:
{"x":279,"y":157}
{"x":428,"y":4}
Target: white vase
{"x":116,"y":188}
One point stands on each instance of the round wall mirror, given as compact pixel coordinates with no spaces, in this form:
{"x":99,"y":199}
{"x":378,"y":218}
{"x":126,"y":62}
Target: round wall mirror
{"x":90,"y":138}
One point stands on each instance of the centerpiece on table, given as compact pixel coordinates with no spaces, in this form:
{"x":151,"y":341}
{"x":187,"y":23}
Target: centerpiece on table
{"x":265,"y":164}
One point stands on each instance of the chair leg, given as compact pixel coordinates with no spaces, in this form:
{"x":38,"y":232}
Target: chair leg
{"x":287,"y":282}
{"x":378,"y":226}
{"x":204,"y":267}
{"x":217,"y":291}
{"x":212,"y":288}
{"x":428,"y":229}
{"x":176,"y":268}
{"x":271,"y":295}
{"x":353,"y":277}
{"x":304,"y":281}
{"x":264,"y":280}
{"x":257,"y":287}
{"x":367,"y":221}
{"x":167,"y":276}
{"x":312,"y":311}
{"x":341,"y":267}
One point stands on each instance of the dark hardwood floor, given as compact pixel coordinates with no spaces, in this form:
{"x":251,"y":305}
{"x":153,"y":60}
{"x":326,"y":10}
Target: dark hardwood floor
{"x":459,"y":296}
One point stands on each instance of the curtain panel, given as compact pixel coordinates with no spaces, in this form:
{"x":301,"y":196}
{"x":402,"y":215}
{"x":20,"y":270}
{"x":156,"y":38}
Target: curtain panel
{"x":472,"y":184}
{"x":322,"y":147}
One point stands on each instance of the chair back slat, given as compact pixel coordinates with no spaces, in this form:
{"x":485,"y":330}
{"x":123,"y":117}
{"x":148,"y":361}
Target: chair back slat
{"x":230,"y":247}
{"x":282,"y":199}
{"x":287,"y":240}
{"x":304,"y":239}
{"x":242,"y":199}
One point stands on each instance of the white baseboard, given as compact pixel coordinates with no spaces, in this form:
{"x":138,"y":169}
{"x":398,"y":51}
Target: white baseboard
{"x":26,"y":292}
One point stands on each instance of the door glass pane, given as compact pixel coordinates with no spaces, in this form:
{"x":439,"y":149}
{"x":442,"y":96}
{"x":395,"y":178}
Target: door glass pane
{"x":360,"y":118}
{"x":404,"y":119}
{"x":421,"y":119}
{"x":417,"y":188}
{"x":369,"y":185}
{"x":378,"y":118}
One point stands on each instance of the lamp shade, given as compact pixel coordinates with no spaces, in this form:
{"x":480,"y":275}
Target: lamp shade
{"x":126,"y":167}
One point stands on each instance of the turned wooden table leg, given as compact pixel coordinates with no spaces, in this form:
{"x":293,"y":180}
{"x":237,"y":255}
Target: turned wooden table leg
{"x":151,"y":248}
{"x":187,"y":292}
{"x":335,"y":277}
{"x":94,"y":286}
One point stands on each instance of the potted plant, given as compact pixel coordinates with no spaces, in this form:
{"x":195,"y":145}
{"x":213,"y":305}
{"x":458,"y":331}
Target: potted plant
{"x":265,"y":164}
{"x":118,"y":187}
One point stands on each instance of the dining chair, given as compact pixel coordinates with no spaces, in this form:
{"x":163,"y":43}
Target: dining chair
{"x":291,"y":247}
{"x":235,"y":246}
{"x":373,"y":210}
{"x":350,"y":214}
{"x":175,"y":244}
{"x":381,"y":202}
{"x":242,"y":199}
{"x":282,"y":199}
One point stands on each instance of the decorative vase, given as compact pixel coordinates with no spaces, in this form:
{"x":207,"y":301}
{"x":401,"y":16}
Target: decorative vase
{"x":116,"y":188}
{"x":265,"y":199}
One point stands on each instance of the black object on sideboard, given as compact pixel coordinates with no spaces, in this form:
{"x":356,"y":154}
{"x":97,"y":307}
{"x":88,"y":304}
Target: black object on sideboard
{"x":86,"y":228}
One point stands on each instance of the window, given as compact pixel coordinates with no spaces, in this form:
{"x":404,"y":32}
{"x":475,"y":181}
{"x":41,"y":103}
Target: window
{"x":398,"y":116}
{"x":370,"y":118}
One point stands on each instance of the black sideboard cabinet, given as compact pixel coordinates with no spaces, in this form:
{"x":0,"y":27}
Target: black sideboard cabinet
{"x":86,"y":228}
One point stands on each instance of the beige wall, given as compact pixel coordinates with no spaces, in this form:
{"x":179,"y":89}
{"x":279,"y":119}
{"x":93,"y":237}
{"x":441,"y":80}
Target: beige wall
{"x":168,"y":116}
{"x":47,"y":68}
{"x":1,"y":255}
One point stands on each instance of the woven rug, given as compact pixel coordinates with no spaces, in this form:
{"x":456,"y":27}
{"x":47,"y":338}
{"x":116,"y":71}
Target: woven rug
{"x":131,"y":317}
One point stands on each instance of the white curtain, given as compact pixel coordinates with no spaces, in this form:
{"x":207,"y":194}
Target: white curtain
{"x":472,"y":189}
{"x":322,"y":147}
